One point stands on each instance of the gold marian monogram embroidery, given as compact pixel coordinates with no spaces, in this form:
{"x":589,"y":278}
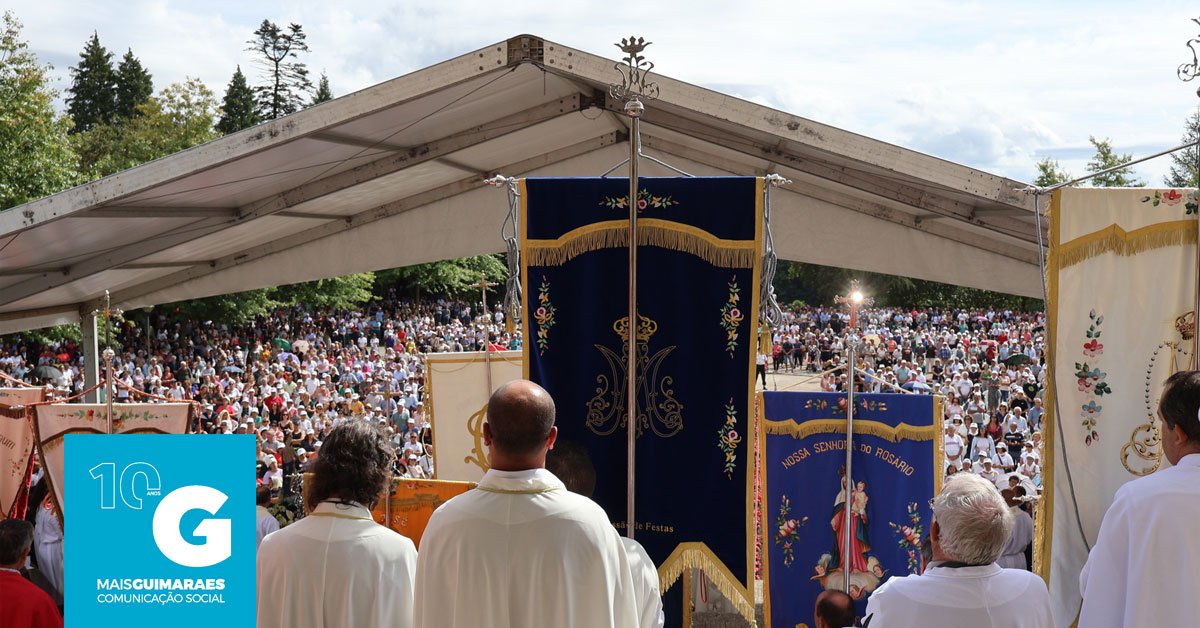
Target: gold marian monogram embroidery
{"x":658,"y":410}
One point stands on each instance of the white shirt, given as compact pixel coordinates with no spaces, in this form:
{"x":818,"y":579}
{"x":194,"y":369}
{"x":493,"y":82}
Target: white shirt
{"x":521,"y":551}
{"x":335,"y":567}
{"x":978,"y":597}
{"x":645,"y":585}
{"x":266,"y":522}
{"x":1013,"y":554}
{"x":1142,"y":569}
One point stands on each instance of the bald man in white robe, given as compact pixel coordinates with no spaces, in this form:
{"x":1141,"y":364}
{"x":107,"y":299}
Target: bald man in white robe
{"x":521,"y":550}
{"x":1144,"y":569}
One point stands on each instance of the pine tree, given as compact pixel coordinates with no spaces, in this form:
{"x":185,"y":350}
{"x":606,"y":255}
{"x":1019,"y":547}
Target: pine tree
{"x":1050,"y":173}
{"x":92,"y":97}
{"x":285,"y":83}
{"x":1106,"y":158}
{"x":1182,"y":173}
{"x":323,"y":94}
{"x":238,"y":108}
{"x":134,"y":85}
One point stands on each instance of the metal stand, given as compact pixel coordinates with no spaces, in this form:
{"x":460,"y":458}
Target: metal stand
{"x":108,"y":355}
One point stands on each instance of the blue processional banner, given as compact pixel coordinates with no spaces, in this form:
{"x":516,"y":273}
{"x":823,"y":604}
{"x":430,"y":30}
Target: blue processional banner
{"x":699,"y":259}
{"x":894,"y":472}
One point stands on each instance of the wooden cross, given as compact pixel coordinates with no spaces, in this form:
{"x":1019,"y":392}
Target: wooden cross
{"x":856,"y":300}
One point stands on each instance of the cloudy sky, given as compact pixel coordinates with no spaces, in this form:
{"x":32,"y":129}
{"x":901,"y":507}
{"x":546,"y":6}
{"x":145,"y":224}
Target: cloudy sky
{"x":994,"y":85}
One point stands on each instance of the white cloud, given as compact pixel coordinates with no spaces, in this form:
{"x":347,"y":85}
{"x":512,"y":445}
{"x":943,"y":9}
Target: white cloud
{"x":992,"y":85}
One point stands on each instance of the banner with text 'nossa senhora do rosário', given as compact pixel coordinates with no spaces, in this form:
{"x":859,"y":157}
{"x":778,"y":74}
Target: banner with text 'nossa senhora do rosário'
{"x":893,"y":474}
{"x":699,"y":257}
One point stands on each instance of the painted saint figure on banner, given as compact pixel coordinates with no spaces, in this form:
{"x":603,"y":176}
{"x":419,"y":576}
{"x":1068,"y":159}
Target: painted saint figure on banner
{"x":865,"y":570}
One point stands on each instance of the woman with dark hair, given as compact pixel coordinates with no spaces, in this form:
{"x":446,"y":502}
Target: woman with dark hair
{"x":337,"y":567}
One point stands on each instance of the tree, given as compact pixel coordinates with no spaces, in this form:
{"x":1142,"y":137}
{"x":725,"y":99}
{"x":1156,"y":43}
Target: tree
{"x":1050,"y":173}
{"x":338,"y":293}
{"x":35,"y":151}
{"x":1182,"y":173}
{"x":92,"y":97}
{"x":285,"y":83}
{"x":1106,"y":158}
{"x":450,"y":278}
{"x":238,"y":110}
{"x":134,"y":85}
{"x":181,"y":116}
{"x":324,"y":94}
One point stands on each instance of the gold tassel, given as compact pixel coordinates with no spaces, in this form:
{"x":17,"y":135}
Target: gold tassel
{"x":698,"y":556}
{"x":1115,"y":239}
{"x":658,"y":233}
{"x":765,"y":339}
{"x":903,"y":431}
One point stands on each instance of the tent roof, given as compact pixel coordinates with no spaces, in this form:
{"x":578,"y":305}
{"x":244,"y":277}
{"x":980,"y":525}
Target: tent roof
{"x":391,"y":176}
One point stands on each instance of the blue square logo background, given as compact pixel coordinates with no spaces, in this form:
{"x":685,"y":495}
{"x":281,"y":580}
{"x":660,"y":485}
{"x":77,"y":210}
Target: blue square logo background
{"x":109,"y":532}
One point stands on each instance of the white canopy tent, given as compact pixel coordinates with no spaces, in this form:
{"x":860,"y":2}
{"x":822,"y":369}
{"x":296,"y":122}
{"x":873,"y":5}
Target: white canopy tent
{"x":392,"y":175}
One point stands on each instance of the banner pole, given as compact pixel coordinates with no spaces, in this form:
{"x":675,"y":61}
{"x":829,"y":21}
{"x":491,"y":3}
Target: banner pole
{"x":634,"y":109}
{"x":855,"y":300}
{"x":633,"y":89}
{"x":846,"y":531}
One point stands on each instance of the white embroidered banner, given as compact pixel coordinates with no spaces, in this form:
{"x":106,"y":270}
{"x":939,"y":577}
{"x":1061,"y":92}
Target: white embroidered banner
{"x":16,"y":444}
{"x":457,"y":386}
{"x":55,"y":421}
{"x":1122,"y":279}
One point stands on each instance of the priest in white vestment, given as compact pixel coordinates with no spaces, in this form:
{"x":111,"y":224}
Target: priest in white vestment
{"x":1013,"y":554}
{"x":521,"y":551}
{"x":963,"y":585}
{"x":336,"y":567}
{"x":1144,"y":569}
{"x":571,"y":463}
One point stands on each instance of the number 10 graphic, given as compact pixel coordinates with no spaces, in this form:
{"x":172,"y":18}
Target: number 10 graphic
{"x":106,"y":472}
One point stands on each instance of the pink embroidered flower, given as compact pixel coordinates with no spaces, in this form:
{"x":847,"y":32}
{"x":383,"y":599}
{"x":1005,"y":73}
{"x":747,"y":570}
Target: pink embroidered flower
{"x":641,"y":204}
{"x":1085,"y":385}
{"x":788,"y":528}
{"x":1172,"y":197}
{"x":1093,"y":348}
{"x":540,"y":313}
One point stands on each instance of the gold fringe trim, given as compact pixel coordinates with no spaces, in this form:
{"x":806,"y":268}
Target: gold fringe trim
{"x":698,"y":556}
{"x":1115,"y":239}
{"x":903,"y":431}
{"x":614,"y":234}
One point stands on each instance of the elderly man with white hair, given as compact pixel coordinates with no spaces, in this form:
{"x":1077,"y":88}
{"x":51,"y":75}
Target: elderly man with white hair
{"x":964,"y":586}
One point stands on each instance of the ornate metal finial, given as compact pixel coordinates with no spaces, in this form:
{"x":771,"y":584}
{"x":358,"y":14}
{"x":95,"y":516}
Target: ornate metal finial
{"x":1189,"y":71}
{"x":634,"y":87}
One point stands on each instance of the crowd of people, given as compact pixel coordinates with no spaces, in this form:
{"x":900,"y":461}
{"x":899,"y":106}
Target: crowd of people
{"x":289,"y":377}
{"x":987,"y":364}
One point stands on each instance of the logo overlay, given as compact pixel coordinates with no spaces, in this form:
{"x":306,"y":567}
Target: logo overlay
{"x":161,"y":529}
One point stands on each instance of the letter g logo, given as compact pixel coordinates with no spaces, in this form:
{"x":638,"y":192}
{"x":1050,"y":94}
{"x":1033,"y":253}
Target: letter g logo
{"x":216,"y":532}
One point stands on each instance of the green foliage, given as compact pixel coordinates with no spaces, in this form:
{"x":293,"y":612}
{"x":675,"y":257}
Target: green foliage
{"x":339,"y":293}
{"x":818,"y":285}
{"x":35,"y":153}
{"x":1106,"y":158}
{"x":1182,"y":173}
{"x":1050,"y":173}
{"x":449,"y":278}
{"x":238,"y":109}
{"x":134,"y":86}
{"x":92,"y":97}
{"x":180,"y":117}
{"x":285,"y":83}
{"x":235,"y":309}
{"x":324,"y":94}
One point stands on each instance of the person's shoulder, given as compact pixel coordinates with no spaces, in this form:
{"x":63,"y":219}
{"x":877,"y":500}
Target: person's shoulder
{"x":1017,"y":578}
